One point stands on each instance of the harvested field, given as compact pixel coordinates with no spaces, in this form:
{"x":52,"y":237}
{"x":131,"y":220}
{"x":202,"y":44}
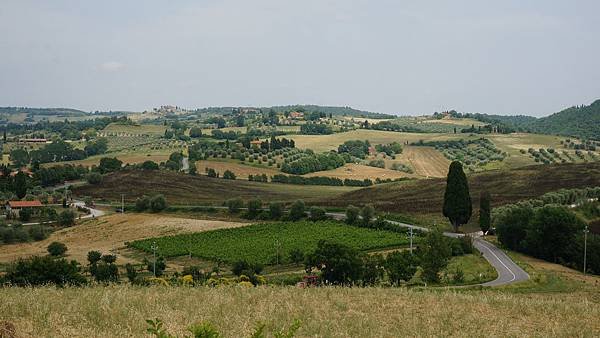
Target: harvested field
{"x":360,"y":172}
{"x":109,"y":233}
{"x":240,"y":170}
{"x":425,"y":161}
{"x":126,"y":157}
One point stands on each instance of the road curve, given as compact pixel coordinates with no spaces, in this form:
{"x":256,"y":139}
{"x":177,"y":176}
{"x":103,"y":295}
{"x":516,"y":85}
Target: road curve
{"x":508,"y":271}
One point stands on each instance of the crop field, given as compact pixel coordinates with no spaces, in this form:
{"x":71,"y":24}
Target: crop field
{"x":259,"y":243}
{"x":360,"y":172}
{"x":426,"y":161}
{"x":185,"y":189}
{"x":139,"y":129}
{"x":109,"y":234}
{"x":239,"y":169}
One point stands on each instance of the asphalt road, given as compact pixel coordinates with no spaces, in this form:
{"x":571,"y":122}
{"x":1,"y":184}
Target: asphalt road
{"x":508,"y":271}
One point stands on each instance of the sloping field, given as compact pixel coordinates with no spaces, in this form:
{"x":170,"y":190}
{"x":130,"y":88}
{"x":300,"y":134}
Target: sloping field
{"x":126,"y":157}
{"x":505,"y":186}
{"x":426,"y":161}
{"x":240,"y":170}
{"x":108,"y":234}
{"x":121,"y":311}
{"x":320,"y":143}
{"x":180,"y":188}
{"x":148,"y":129}
{"x":359,"y":172}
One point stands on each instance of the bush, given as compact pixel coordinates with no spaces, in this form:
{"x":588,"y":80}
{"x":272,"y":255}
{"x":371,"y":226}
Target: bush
{"x":297,"y":210}
{"x":317,"y":214}
{"x":38,"y":232}
{"x":234,"y":205}
{"x":254,"y":208}
{"x":352,"y":213}
{"x":57,"y":249}
{"x":276,"y":210}
{"x":142,"y":203}
{"x":44,"y":270}
{"x":25,"y":214}
{"x":66,"y":218}
{"x":94,"y":178}
{"x":434,"y":255}
{"x":229,"y":175}
{"x":158,"y":203}
{"x":401,"y":266}
{"x":131,"y":272}
{"x":211,"y":173}
{"x":367,"y":213}
{"x":339,"y":264}
{"x":149,"y":165}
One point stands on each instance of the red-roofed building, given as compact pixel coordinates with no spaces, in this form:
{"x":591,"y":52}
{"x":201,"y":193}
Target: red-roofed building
{"x":13,"y":207}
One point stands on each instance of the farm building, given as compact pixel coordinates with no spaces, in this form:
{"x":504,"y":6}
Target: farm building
{"x":14,"y":207}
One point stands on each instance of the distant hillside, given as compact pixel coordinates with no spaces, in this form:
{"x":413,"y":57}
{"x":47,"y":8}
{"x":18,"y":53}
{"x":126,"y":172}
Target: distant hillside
{"x":506,"y":186}
{"x":340,"y":111}
{"x":582,"y":121}
{"x":66,"y":112}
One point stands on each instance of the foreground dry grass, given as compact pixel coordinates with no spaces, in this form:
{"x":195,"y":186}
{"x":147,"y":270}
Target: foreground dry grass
{"x":109,"y":234}
{"x":120,"y":311}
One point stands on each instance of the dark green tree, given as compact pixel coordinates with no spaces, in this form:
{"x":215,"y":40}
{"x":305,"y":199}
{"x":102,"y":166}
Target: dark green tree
{"x":457,"y":200}
{"x":339,"y":264}
{"x":435,"y":252}
{"x":21,"y":184}
{"x":485,"y":214}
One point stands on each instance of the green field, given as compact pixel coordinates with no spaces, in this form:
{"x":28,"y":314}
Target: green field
{"x":259,"y":243}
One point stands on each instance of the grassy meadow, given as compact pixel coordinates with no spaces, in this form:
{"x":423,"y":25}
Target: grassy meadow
{"x":121,"y":311}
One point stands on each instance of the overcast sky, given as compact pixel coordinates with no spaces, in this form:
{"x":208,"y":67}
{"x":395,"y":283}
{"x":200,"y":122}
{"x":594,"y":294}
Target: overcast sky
{"x":403,"y":57}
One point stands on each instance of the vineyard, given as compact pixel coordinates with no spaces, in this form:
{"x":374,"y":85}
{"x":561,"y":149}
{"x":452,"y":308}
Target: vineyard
{"x":472,"y":153}
{"x":269,"y":242}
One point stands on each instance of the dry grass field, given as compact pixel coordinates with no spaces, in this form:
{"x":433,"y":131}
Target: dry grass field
{"x":425,"y":161}
{"x":240,"y":170}
{"x":150,"y":129}
{"x":126,"y":157}
{"x":109,"y":233}
{"x":360,"y":172}
{"x":121,"y":311}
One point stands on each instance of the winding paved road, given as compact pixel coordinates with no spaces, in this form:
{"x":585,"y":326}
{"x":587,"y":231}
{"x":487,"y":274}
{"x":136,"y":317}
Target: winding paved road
{"x":508,"y":271}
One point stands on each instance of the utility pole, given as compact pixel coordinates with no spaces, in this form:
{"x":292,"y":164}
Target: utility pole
{"x":277,"y":245}
{"x":154,"y":247}
{"x":585,"y":232}
{"x":122,"y":203}
{"x":411,"y":240}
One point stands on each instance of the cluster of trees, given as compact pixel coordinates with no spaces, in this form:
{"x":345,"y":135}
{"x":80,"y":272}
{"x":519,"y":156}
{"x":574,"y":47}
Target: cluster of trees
{"x":390,"y":149}
{"x":315,"y":129}
{"x":67,"y":130}
{"x":56,"y":151}
{"x":155,"y":203}
{"x":356,"y":148}
{"x":339,"y":264}
{"x":254,"y":209}
{"x":391,"y":126}
{"x":314,"y":162}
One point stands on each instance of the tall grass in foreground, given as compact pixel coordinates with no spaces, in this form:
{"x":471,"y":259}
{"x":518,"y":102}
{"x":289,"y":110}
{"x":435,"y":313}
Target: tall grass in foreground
{"x":119,"y":311}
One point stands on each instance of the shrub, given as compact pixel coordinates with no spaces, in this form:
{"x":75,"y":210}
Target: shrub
{"x":56,"y":249}
{"x":158,"y":203}
{"x":434,"y":255}
{"x":211,"y":173}
{"x":44,"y":270}
{"x":94,"y":178}
{"x":229,"y":175}
{"x":367,"y":213}
{"x":25,"y":214}
{"x":339,"y":264}
{"x":254,"y":208}
{"x":297,"y":210}
{"x":401,"y":266}
{"x":142,"y":203}
{"x":317,"y":214}
{"x":131,"y":272}
{"x":275,"y":210}
{"x":149,"y":165}
{"x":352,"y":213}
{"x":234,"y":205}
{"x":66,"y":218}
{"x":38,"y":232}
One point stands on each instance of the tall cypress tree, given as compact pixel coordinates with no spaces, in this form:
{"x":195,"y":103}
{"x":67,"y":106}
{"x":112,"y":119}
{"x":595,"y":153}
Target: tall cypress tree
{"x":457,"y":201}
{"x":485,"y":211}
{"x":20,"y":184}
